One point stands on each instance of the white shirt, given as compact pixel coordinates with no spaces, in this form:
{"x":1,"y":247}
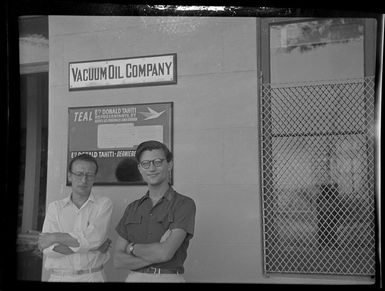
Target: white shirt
{"x":88,"y":225}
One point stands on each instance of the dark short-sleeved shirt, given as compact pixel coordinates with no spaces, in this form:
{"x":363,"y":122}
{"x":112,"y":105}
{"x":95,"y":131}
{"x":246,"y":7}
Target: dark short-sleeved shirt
{"x":144,"y":223}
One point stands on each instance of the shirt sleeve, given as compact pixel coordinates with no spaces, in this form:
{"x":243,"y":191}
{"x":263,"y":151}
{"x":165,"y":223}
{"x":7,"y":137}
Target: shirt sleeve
{"x":95,"y":233}
{"x":51,"y":225}
{"x":120,"y":228}
{"x":184,"y":216}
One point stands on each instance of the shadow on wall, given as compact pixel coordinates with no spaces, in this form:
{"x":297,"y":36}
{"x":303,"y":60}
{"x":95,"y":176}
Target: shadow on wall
{"x":127,"y":171}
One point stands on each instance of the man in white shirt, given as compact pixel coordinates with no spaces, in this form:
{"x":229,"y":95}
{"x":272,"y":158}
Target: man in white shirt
{"x":74,"y":237}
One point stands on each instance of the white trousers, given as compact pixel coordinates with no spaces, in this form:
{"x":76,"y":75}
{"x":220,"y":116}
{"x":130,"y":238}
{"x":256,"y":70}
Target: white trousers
{"x":90,"y":277}
{"x":145,"y":277}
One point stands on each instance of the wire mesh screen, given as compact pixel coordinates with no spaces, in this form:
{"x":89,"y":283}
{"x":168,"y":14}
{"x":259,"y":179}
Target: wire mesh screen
{"x":318,"y":177}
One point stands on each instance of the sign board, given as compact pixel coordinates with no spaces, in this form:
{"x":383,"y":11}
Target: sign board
{"x":112,"y":133}
{"x":127,"y":72}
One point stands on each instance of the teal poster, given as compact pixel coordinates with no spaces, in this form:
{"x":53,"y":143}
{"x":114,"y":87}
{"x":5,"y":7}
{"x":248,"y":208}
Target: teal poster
{"x":112,"y":133}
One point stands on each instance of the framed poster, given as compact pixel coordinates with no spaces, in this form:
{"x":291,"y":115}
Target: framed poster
{"x":112,"y":133}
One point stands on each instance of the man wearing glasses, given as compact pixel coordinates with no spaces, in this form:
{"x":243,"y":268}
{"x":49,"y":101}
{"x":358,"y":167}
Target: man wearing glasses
{"x":155,"y":230}
{"x":74,"y":231}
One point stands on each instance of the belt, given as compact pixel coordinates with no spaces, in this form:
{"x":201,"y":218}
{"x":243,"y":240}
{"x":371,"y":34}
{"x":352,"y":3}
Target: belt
{"x":153,"y":270}
{"x":79,"y":272}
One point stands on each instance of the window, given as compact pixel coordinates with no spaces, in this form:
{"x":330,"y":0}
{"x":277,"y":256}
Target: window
{"x":317,"y":116}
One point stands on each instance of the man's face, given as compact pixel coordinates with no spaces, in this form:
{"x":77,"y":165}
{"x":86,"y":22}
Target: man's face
{"x":82,"y":177}
{"x":158,"y":170}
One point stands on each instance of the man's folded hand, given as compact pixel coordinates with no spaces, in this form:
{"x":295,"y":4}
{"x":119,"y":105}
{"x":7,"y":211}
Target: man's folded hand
{"x":105,"y":246}
{"x":165,"y":235}
{"x":45,"y":240}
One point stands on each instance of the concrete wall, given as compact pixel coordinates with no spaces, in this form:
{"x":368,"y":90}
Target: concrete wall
{"x":215,"y":130}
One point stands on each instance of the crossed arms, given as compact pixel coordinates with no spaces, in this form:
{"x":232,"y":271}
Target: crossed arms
{"x":63,"y":242}
{"x":53,"y":241}
{"x":148,"y":254}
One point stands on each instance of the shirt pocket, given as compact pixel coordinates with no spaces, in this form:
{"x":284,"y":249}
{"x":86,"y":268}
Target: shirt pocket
{"x":133,"y":227}
{"x":166,"y":220}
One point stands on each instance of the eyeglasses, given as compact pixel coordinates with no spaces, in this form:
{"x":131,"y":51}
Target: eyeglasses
{"x":147,"y":163}
{"x":81,"y":175}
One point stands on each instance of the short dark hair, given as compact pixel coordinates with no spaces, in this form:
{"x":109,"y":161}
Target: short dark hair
{"x":84,"y":157}
{"x":152,"y":145}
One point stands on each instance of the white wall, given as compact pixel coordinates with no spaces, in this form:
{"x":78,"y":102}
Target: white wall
{"x":215,"y":128}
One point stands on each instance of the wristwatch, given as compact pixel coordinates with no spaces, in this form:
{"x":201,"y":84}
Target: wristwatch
{"x":131,"y":249}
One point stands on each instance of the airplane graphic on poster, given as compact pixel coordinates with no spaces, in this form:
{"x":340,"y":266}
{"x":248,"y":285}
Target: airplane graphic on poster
{"x":152,"y":114}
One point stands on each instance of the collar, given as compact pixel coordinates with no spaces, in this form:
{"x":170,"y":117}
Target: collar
{"x":169,"y":194}
{"x":67,"y":201}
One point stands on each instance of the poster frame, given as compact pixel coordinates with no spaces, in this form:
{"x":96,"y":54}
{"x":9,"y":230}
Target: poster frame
{"x":169,"y":143}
